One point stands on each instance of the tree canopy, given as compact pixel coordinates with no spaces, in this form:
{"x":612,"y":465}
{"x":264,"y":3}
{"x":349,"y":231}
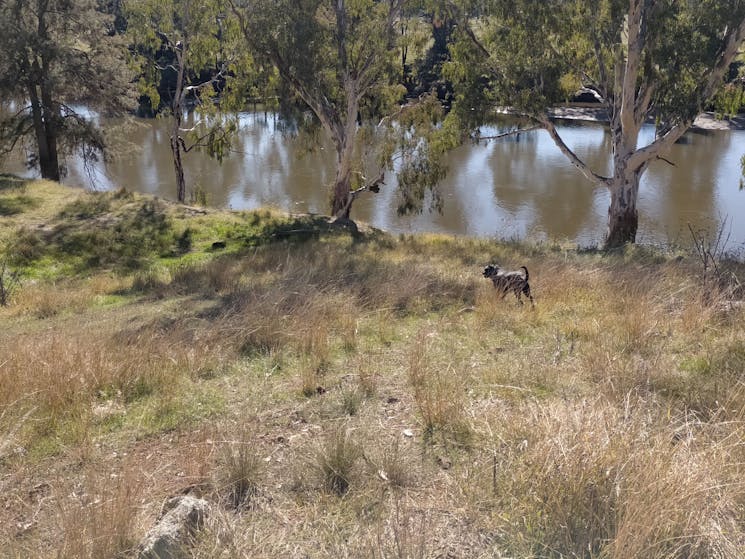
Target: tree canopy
{"x":340,"y":59}
{"x":192,"y":42}
{"x":57,"y":56}
{"x":659,"y":60}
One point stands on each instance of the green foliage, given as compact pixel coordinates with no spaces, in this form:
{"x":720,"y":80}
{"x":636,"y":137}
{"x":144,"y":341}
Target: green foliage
{"x":196,"y":41}
{"x":53,"y":56}
{"x":339,"y":61}
{"x":729,"y":100}
{"x":533,"y":54}
{"x":419,"y":142}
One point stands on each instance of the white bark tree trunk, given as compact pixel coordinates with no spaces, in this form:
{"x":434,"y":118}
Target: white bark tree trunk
{"x":623,"y":219}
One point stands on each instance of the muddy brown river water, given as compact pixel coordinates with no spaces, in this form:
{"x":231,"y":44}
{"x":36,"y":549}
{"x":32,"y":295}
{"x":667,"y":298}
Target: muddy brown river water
{"x":515,"y":187}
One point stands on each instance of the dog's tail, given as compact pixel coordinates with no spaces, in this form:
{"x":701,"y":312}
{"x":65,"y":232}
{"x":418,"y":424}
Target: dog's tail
{"x":527,"y":275}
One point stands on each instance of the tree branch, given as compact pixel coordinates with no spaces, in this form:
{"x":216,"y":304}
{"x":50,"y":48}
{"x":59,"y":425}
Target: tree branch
{"x":732,"y":43}
{"x":510,"y":133}
{"x":372,"y":186}
{"x":576,"y":161}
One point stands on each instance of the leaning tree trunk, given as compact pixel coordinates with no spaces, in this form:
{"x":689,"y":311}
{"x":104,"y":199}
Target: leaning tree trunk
{"x":178,"y":167}
{"x":341,"y":195}
{"x":623,"y":219}
{"x":341,"y":201}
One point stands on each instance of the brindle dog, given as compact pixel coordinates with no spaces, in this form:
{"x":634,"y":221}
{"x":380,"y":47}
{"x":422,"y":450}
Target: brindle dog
{"x":505,"y":281}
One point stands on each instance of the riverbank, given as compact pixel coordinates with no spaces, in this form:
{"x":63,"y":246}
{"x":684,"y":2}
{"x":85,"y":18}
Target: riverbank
{"x":333,"y":395}
{"x":704,"y":121}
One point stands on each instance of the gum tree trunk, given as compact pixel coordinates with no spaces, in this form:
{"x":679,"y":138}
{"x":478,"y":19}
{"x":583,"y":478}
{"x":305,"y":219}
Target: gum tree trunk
{"x":178,"y":167}
{"x":344,"y":138}
{"x":341,"y":195}
{"x":623,"y":219}
{"x":341,"y":204}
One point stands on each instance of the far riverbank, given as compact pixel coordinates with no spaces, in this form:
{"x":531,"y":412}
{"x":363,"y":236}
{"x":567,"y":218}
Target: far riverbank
{"x":704,"y":121}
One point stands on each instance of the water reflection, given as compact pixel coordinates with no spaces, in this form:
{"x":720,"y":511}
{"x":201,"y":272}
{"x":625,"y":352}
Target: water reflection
{"x":514,"y":187}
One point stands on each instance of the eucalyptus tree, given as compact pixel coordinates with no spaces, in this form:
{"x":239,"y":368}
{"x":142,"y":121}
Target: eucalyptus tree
{"x":644,"y":60}
{"x":192,"y":42}
{"x":341,"y":58}
{"x":58,"y":58}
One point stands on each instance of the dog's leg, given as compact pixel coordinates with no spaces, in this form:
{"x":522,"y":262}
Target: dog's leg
{"x":526,"y":290}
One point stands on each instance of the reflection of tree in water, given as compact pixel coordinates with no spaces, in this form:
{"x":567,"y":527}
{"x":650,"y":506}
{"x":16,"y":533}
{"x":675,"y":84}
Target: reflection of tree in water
{"x":273,"y":169}
{"x":530,"y":171}
{"x":674,"y":195}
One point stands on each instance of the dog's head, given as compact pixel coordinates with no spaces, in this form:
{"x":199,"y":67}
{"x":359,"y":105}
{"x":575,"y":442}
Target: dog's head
{"x":491,"y":270}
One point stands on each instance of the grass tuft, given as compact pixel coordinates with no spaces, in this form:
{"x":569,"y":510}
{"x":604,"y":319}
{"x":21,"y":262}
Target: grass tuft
{"x":336,"y":459}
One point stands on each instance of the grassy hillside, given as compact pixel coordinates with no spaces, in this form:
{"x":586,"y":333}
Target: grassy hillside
{"x":340,"y":395}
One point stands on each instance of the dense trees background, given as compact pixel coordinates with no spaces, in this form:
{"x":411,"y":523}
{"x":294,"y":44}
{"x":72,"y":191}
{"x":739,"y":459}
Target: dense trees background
{"x":642,"y":59}
{"x":394,"y":84}
{"x":58,"y":59}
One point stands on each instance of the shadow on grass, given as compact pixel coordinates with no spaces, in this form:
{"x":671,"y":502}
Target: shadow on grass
{"x":10,"y":182}
{"x":12,"y":199}
{"x":14,"y":205}
{"x":262,"y":231}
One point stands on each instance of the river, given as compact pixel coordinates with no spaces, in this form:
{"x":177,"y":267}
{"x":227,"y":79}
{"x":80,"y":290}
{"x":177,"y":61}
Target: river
{"x":517,"y":187}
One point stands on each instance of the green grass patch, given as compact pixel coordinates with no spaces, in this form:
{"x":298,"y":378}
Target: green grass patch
{"x":163,"y":412}
{"x":13,"y":205}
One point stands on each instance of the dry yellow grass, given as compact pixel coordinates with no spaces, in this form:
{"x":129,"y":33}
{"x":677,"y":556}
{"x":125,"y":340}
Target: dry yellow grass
{"x":371,"y":397}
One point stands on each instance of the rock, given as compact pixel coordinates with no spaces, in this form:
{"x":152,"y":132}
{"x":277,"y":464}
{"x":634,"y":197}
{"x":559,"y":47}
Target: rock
{"x":345,"y":223}
{"x":169,"y":537}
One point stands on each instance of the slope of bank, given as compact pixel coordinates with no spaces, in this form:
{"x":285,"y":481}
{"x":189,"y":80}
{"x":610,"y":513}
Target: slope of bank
{"x":340,"y":394}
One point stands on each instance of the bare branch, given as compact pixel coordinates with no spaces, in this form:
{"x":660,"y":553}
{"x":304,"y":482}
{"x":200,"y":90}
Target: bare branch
{"x":514,"y":132}
{"x":666,"y":161}
{"x":576,"y":161}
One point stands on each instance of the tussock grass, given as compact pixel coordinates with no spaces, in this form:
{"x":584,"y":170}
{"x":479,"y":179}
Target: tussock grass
{"x":239,"y":472}
{"x":98,"y":518}
{"x":335,"y":460}
{"x":380,"y":400}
